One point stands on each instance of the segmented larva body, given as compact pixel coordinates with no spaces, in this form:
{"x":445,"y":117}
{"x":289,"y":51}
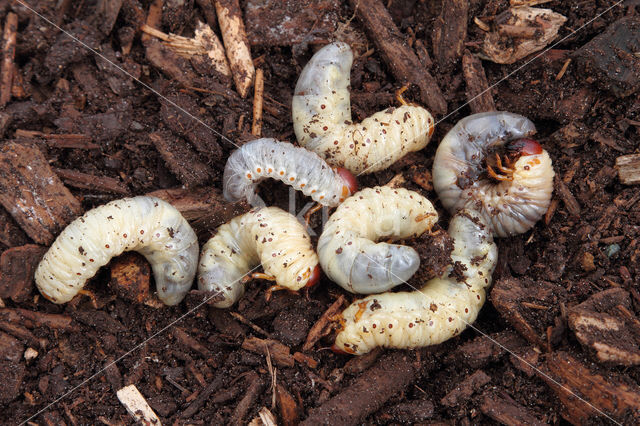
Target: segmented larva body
{"x":439,"y":311}
{"x":347,"y":249}
{"x":303,"y":170}
{"x":322,"y":118}
{"x":268,"y":236}
{"x":511,"y":206}
{"x":148,"y":225}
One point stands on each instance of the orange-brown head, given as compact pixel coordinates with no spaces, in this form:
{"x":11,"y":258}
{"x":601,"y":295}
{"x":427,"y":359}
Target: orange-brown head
{"x":524,"y":146}
{"x":350,"y":182}
{"x":315,"y":277}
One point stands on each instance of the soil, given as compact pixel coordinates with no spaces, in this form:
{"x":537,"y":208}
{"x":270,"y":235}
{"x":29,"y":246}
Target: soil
{"x":192,"y":354}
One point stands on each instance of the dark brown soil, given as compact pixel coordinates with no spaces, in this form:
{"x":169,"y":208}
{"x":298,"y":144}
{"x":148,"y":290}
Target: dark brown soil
{"x":188,"y":360}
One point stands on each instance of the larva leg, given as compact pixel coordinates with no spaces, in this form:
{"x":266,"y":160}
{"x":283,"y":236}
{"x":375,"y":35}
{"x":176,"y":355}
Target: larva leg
{"x":312,"y":210}
{"x":268,"y":236}
{"x":303,"y":170}
{"x":347,"y":248}
{"x":512,"y":198}
{"x":321,"y":110}
{"x":144,"y":224}
{"x":442,"y":309}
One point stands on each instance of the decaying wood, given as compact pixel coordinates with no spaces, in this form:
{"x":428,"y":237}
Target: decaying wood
{"x":569,"y":200}
{"x":131,"y":278}
{"x":507,"y":296}
{"x":450,"y":33}
{"x":280,"y":353}
{"x":324,"y":325}
{"x":305,"y":359}
{"x":399,"y":57}
{"x":203,"y":207}
{"x":11,"y":349}
{"x":153,"y":18}
{"x":17,"y":266}
{"x":507,"y":411}
{"x":628,"y":167}
{"x":34,"y":319}
{"x":12,"y":374}
{"x":604,"y":324}
{"x":92,"y":182}
{"x":203,"y":397}
{"x":8,"y":54}
{"x":70,"y":140}
{"x":479,"y":95}
{"x":10,"y":233}
{"x":33,"y":194}
{"x":251,"y":395}
{"x":188,"y":341}
{"x":465,"y":389}
{"x":176,"y":67}
{"x":181,"y":159}
{"x":612,"y":57}
{"x":387,"y":378}
{"x":137,"y":406}
{"x":568,"y":377}
{"x":289,"y":410}
{"x":256,"y":126}
{"x":236,"y":44}
{"x":106,"y":14}
{"x":204,"y":42}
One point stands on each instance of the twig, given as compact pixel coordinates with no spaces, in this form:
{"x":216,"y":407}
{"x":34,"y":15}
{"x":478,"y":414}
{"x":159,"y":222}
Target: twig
{"x":8,"y":54}
{"x":250,"y":324}
{"x":137,"y":406}
{"x":256,"y":127}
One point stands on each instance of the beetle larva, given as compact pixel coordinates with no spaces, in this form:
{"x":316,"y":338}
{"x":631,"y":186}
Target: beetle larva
{"x":303,"y":170}
{"x":148,"y":225}
{"x":461,"y":166}
{"x":347,"y":249}
{"x":321,"y":111}
{"x":442,"y":309}
{"x":268,"y":236}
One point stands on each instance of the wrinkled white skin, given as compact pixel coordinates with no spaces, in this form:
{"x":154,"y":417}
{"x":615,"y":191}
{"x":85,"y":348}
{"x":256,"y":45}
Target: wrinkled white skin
{"x":267,"y":158}
{"x":439,"y":311}
{"x":321,"y":109}
{"x":268,"y":236}
{"x":510,"y":207}
{"x":347,"y":248}
{"x":148,"y":225}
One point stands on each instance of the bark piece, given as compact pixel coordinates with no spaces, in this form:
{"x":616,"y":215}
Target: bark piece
{"x":324,"y":325}
{"x":280,"y":353}
{"x":411,"y":412}
{"x":601,"y":324}
{"x":55,"y":140}
{"x":181,"y":159}
{"x":131,"y":277}
{"x":391,"y":375}
{"x":479,"y":95}
{"x":174,"y":66}
{"x":34,"y":319}
{"x":106,"y":14}
{"x":33,"y":194}
{"x":66,"y":50}
{"x":569,"y":200}
{"x":277,"y":23}
{"x":450,"y":32}
{"x":188,"y":341}
{"x":236,"y":44}
{"x":10,"y":233}
{"x":137,"y":406}
{"x":628,"y":167}
{"x":568,"y":377}
{"x":289,"y":410}
{"x":466,"y":388}
{"x":203,"y":207}
{"x":507,"y":411}
{"x":251,"y":395}
{"x":17,"y":266}
{"x":12,"y":374}
{"x":92,"y":182}
{"x":256,"y":126}
{"x":519,"y":302}
{"x":399,"y":57}
{"x":612,"y":57}
{"x":202,"y":397}
{"x":520,"y":32}
{"x":358,"y":364}
{"x":8,"y":54}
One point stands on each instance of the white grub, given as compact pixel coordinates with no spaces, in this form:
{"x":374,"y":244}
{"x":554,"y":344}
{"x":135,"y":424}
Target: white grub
{"x":137,"y":406}
{"x":521,"y":31}
{"x":439,"y":311}
{"x":347,"y":248}
{"x":510,"y":207}
{"x":321,"y":111}
{"x":268,"y":236}
{"x":236,"y":44}
{"x":148,"y":225}
{"x":204,"y":42}
{"x":303,"y":170}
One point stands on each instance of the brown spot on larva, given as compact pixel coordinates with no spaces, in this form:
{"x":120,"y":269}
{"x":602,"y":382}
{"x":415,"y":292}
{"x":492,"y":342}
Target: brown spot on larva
{"x":142,"y":232}
{"x":81,"y":250}
{"x":259,"y":170}
{"x":106,"y":246}
{"x":410,"y":325}
{"x":433,"y":307}
{"x":323,"y":106}
{"x":109,"y":217}
{"x":335,"y":142}
{"x":339,"y":250}
{"x":325,"y":128}
{"x":90,"y":260}
{"x":526,"y":167}
{"x":171,"y":232}
{"x":124,"y":235}
{"x":390,"y":325}
{"x":450,"y":319}
{"x":373,"y":326}
{"x":466,"y":310}
{"x":375,"y":305}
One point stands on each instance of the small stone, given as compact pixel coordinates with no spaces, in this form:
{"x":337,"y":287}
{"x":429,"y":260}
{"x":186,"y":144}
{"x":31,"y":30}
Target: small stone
{"x":30,"y":354}
{"x":612,"y":250}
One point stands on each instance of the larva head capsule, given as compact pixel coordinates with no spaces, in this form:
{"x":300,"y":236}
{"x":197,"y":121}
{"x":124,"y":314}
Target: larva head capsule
{"x":315,"y":277}
{"x":350,"y":182}
{"x":524,"y":146}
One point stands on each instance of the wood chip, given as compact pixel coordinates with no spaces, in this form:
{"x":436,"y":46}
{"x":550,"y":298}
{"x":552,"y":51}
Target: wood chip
{"x":280,"y":353}
{"x":70,"y":140}
{"x":465,"y":389}
{"x":324,"y":325}
{"x":181,"y":159}
{"x":507,"y":411}
{"x":137,"y":406}
{"x":479,"y":95}
{"x":17,"y":266}
{"x":394,"y":50}
{"x":8,"y":55}
{"x":628,"y":167}
{"x":33,"y":194}
{"x":256,"y":126}
{"x":450,"y":33}
{"x":251,"y":395}
{"x":236,"y":44}
{"x":289,"y":410}
{"x":92,"y":182}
